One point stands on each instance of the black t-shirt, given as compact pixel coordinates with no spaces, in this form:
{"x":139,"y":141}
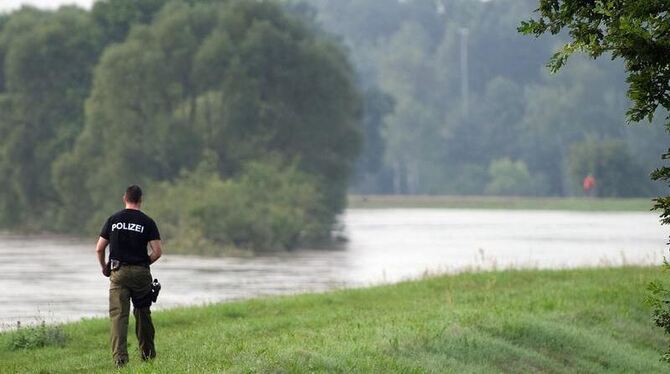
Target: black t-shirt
{"x":129,"y":231}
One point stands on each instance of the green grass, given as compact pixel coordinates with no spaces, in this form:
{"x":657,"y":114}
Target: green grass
{"x":498,"y":202}
{"x":573,"y":321}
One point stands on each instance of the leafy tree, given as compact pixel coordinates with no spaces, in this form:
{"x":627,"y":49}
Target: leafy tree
{"x":3,"y":21}
{"x":115,"y":17}
{"x":636,"y":32}
{"x":414,"y":121}
{"x":492,"y":131}
{"x":48,"y":61}
{"x":377,"y":107}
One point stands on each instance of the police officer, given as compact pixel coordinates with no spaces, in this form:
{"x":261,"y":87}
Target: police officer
{"x":128,"y":232}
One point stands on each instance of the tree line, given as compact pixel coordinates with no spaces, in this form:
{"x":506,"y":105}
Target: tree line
{"x":255,"y":113}
{"x":458,"y":102}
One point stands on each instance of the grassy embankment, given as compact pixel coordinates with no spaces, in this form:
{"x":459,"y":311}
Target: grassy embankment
{"x":496,"y":202}
{"x":590,"y":320}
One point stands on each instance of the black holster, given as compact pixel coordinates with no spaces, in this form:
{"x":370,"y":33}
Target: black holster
{"x":144,"y":301}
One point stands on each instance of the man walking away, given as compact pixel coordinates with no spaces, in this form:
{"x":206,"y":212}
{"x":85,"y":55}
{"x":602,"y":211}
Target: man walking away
{"x":128,"y":232}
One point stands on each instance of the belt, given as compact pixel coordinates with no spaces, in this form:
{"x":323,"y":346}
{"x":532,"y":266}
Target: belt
{"x":130,"y":264}
{"x":123,"y":263}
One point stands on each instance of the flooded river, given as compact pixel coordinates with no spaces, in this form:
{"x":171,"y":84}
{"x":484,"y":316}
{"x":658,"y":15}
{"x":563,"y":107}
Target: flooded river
{"x":56,"y":279}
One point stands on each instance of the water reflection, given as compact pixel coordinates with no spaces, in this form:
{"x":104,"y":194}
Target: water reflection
{"x":57,"y":279}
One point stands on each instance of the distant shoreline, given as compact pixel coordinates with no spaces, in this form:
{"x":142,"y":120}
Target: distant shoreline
{"x":643,"y":204}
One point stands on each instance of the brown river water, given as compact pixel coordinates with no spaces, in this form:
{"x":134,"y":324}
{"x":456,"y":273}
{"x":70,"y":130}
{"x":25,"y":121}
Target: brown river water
{"x":57,"y":279}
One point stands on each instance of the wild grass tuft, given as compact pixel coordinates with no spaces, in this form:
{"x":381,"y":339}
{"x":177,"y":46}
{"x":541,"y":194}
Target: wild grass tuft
{"x":36,"y":337}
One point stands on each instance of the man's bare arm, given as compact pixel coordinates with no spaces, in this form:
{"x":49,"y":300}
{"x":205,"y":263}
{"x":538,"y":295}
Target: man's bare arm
{"x":156,"y":251}
{"x":100,"y":251}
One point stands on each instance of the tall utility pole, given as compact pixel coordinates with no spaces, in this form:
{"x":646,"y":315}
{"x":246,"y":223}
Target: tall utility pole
{"x":464,"y":70}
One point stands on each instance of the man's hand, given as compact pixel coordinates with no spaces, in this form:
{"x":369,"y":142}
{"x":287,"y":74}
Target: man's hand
{"x":100,"y":252}
{"x":107,"y":270}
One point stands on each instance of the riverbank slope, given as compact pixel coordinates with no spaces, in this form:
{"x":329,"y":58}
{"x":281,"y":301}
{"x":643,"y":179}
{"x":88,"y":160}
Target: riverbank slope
{"x":588,"y":320}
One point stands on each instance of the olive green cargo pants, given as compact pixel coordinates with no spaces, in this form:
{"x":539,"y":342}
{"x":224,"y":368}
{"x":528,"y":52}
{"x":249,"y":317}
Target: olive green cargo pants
{"x":126,"y":282}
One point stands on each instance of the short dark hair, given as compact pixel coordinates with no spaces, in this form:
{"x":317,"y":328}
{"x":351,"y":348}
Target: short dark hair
{"x":134,"y":194}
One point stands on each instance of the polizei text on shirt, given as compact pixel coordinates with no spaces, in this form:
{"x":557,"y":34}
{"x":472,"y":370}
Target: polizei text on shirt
{"x":127,"y":226}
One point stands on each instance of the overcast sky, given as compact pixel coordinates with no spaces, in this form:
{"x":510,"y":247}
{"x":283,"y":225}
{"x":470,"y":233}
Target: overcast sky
{"x":8,"y":5}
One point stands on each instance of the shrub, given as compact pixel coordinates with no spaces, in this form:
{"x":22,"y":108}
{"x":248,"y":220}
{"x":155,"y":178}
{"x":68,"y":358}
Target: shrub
{"x":37,"y":337}
{"x":267,"y":207}
{"x":509,"y":177}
